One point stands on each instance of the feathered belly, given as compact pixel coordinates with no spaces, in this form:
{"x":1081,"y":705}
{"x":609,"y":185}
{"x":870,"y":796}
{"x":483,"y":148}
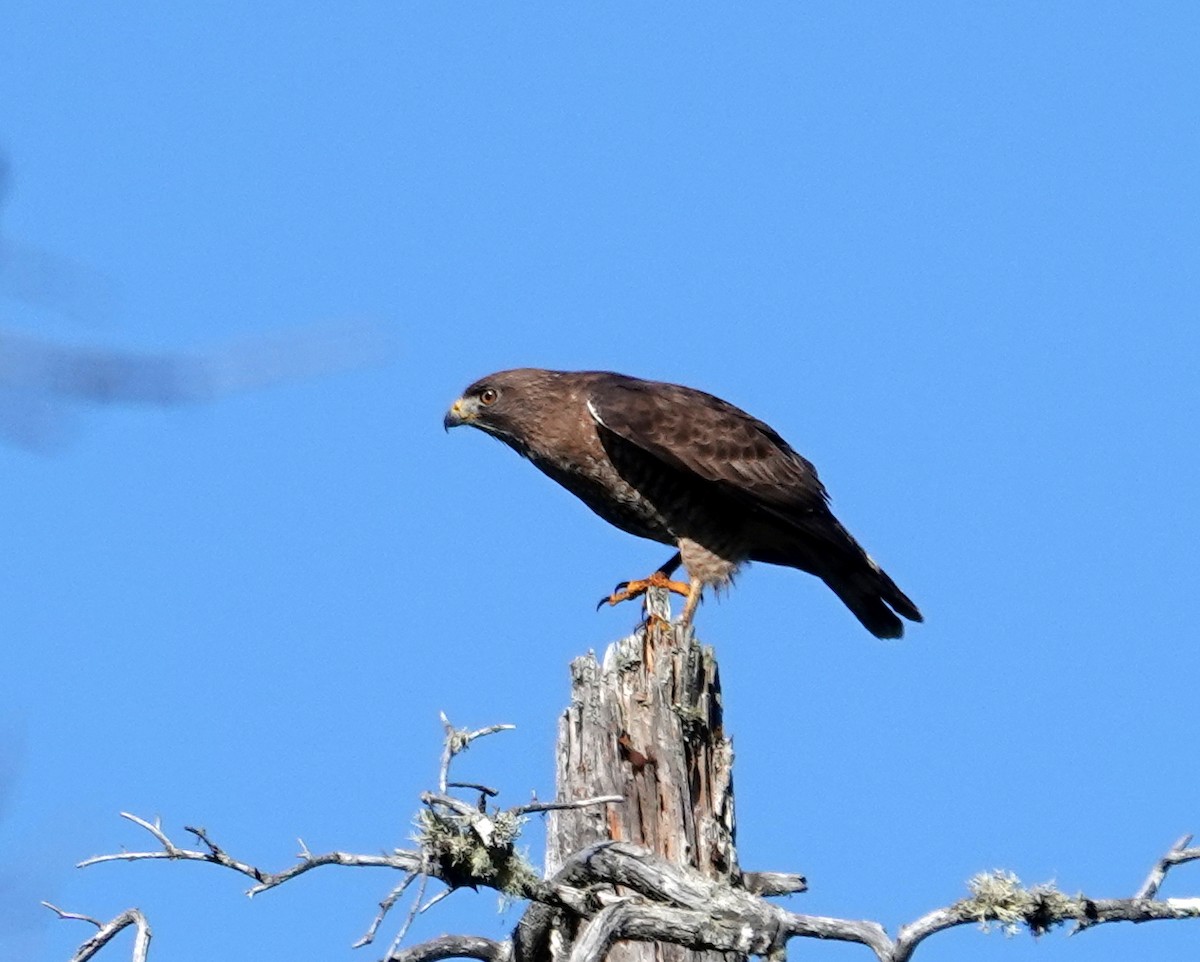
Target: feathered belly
{"x":617,"y":502}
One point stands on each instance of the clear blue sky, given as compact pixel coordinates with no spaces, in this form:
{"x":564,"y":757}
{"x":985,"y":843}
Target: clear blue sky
{"x":949,"y":250}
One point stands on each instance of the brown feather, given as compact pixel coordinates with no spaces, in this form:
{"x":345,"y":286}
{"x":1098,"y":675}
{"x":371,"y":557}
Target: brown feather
{"x":683,"y":467}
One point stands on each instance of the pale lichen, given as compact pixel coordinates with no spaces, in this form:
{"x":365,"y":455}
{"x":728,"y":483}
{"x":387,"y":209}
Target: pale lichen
{"x":475,"y":851}
{"x":999,"y":897}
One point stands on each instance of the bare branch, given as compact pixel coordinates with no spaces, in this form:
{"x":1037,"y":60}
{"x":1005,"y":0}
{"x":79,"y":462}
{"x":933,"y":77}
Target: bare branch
{"x":443,"y":894}
{"x":613,"y":891}
{"x":1138,"y":910}
{"x":536,"y":806}
{"x":154,"y":829}
{"x":106,"y":931}
{"x":870,"y":934}
{"x":656,"y":923}
{"x":1178,"y":854}
{"x":999,"y":898}
{"x":915,"y":932}
{"x":678,"y":905}
{"x":706,"y":929}
{"x":735,"y":920}
{"x":774,"y":883}
{"x":456,"y":805}
{"x":400,"y":859}
{"x":455,"y":947}
{"x":495,"y":835}
{"x":72,"y":916}
{"x":483,"y":790}
{"x":459,"y":740}
{"x":412,"y":915}
{"x":384,"y":907}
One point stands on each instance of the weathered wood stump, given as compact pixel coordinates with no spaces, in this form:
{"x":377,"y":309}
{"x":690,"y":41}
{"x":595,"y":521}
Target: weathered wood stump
{"x":646,"y":724}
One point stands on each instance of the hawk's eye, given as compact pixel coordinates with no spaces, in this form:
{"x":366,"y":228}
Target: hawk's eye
{"x":488,"y":395}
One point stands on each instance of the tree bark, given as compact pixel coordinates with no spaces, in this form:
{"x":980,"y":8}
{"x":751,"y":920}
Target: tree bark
{"x":646,"y":724}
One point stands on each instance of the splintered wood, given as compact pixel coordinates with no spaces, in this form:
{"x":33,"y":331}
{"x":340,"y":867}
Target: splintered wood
{"x":647,"y":725}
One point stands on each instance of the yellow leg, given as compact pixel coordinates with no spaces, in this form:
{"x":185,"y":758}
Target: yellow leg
{"x":695,"y":589}
{"x":629,"y":590}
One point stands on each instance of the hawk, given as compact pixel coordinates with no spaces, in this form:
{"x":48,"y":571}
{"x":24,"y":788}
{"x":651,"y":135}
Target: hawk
{"x":687,"y":469}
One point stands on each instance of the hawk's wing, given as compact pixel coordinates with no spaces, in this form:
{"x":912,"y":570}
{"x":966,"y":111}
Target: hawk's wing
{"x":702,"y":435}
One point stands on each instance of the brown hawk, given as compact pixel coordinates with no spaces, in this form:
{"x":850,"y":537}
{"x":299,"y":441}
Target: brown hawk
{"x":684,"y":468}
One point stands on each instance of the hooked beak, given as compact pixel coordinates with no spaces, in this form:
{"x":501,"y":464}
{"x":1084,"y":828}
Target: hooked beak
{"x":459,"y":413}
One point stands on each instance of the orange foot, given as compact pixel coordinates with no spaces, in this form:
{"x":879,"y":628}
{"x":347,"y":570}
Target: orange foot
{"x":628,"y":590}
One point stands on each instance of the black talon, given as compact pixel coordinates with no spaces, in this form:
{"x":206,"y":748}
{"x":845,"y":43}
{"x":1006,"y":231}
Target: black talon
{"x":608,"y":599}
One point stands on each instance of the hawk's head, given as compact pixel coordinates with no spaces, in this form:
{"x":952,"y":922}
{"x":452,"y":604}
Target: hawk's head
{"x":472,"y":407}
{"x":508,"y":404}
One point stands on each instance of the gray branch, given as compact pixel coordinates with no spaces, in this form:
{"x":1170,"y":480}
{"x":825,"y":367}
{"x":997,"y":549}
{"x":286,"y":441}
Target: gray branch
{"x":455,"y":947}
{"x":385,"y":906}
{"x":106,"y":931}
{"x":774,"y":883}
{"x":671,"y":904}
{"x":459,"y":740}
{"x":1178,"y":854}
{"x":536,"y":806}
{"x":611,"y":892}
{"x":400,"y":859}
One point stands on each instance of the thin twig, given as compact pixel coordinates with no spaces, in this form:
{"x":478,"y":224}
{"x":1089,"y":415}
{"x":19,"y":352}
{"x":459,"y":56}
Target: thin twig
{"x":72,"y":916}
{"x":459,"y":740}
{"x":1178,"y":854}
{"x":106,"y":931}
{"x":484,"y":791}
{"x":384,"y":907}
{"x":154,"y":829}
{"x":412,"y":915}
{"x":536,"y":806}
{"x":202,"y":837}
{"x":400,"y":859}
{"x":456,"y":805}
{"x":444,"y":894}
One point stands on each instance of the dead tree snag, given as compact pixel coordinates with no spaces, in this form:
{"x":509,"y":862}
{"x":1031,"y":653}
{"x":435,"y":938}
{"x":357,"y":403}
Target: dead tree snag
{"x":641,"y":862}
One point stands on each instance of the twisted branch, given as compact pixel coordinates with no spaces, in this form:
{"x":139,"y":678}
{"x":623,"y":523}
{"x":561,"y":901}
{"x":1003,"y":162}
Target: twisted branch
{"x":616,"y":891}
{"x":406,"y":861}
{"x":455,"y":947}
{"x":679,"y":906}
{"x":460,"y":844}
{"x":107,"y":930}
{"x":459,"y":740}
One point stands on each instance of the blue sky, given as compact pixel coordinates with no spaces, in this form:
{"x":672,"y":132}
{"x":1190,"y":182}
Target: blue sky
{"x":948,"y":250}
